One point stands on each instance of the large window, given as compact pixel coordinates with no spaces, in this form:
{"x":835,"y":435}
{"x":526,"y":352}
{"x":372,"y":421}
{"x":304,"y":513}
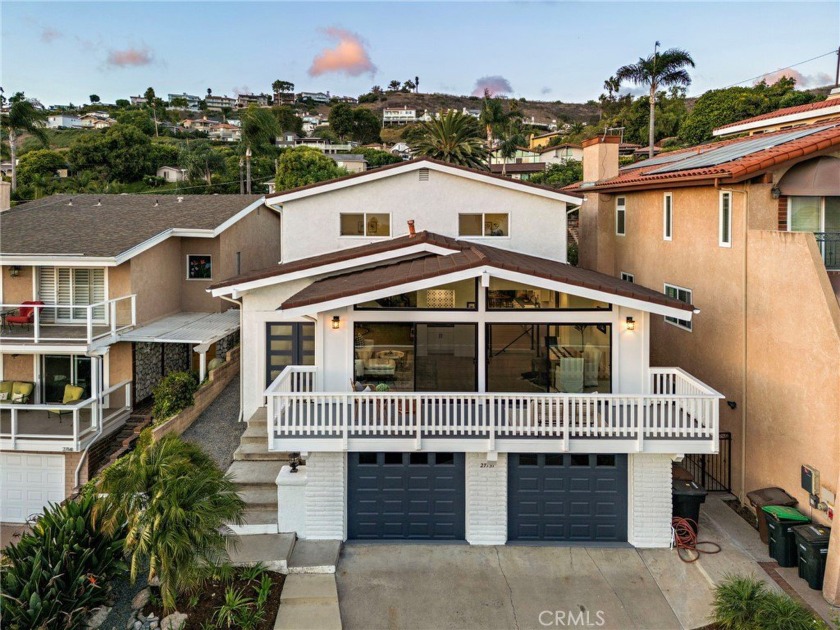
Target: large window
{"x":505,"y":295}
{"x":725,"y":220}
{"x":455,"y":296}
{"x":570,"y":358}
{"x":667,"y":216}
{"x":58,"y":371}
{"x":70,"y":290}
{"x":365,"y":224}
{"x":484,"y":224}
{"x":814,"y":214}
{"x":620,"y":216}
{"x":683,"y":295}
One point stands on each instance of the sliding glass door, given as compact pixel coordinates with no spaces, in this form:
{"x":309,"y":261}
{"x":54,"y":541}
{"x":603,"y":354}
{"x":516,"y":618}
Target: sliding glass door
{"x":58,"y":371}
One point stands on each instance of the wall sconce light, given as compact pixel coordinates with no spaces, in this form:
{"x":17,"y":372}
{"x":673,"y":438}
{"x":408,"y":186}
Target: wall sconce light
{"x":732,"y":404}
{"x":14,"y":271}
{"x":336,"y":322}
{"x":630,"y":323}
{"x":775,"y":192}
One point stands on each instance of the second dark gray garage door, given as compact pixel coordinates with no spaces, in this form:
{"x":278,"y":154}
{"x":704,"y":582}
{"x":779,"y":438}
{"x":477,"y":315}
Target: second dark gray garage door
{"x":567,"y":497}
{"x":405,"y":496}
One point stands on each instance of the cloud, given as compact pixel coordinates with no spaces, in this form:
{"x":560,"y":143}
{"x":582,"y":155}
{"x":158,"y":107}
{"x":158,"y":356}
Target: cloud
{"x":129,"y":57}
{"x":494,"y":84}
{"x":545,"y":90}
{"x":802,"y":80}
{"x":349,"y":56}
{"x":49,"y":34}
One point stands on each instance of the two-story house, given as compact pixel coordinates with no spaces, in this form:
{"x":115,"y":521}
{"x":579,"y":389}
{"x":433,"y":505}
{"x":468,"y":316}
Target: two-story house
{"x":747,"y":230}
{"x":446,"y":374}
{"x":102,"y":295}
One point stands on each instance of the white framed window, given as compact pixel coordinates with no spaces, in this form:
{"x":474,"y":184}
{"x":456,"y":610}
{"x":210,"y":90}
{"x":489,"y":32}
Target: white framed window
{"x":489,"y":224}
{"x":725,"y":220}
{"x":667,"y":216}
{"x":620,"y":216}
{"x":365,"y":224}
{"x":628,"y":277}
{"x":683,"y":295}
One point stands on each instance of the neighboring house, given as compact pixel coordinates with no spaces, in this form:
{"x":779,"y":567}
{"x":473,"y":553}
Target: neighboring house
{"x":514,"y":399}
{"x":172,"y":174}
{"x":522,"y":155}
{"x":324,"y":145}
{"x":199,"y":124}
{"x":95,"y":122}
{"x":316,"y":97}
{"x":286,"y":140}
{"x":748,"y":230}
{"x":284,"y":98}
{"x":402,"y":150}
{"x":137,"y":100}
{"x":518,"y":170}
{"x":193,"y":102}
{"x":347,"y":99}
{"x":119,"y":284}
{"x":352,"y":162}
{"x":218,"y":103}
{"x":560,"y":153}
{"x":786,"y":118}
{"x":224,"y":132}
{"x":64,"y":121}
{"x":543,"y":140}
{"x":244,"y":100}
{"x":475,"y":113}
{"x":398,"y":116}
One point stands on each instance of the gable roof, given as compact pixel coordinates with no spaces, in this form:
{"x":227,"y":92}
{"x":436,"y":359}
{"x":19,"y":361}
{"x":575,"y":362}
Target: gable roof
{"x":680,"y":168}
{"x":416,"y":164}
{"x":114,"y":227}
{"x":553,"y":147}
{"x":795,"y":112}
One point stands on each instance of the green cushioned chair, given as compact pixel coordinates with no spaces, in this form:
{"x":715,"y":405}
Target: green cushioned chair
{"x":72,"y":394}
{"x":16,"y":392}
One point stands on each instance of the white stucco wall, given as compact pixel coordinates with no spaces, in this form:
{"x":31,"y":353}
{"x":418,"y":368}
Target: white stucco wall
{"x":537,"y":224}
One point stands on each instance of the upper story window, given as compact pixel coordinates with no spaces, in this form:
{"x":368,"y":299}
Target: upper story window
{"x":199,"y":267}
{"x":71,"y":289}
{"x":725,"y":220}
{"x":370,"y":224}
{"x":455,"y":296}
{"x":506,"y":295}
{"x":814,"y":214}
{"x":628,"y":277}
{"x":667,"y":216}
{"x":484,"y":224}
{"x":683,"y":295}
{"x":620,"y":215}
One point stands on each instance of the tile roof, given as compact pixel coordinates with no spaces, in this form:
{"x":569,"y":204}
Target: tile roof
{"x":786,"y":111}
{"x":108,"y":225}
{"x":641,"y":175}
{"x":468,"y":256}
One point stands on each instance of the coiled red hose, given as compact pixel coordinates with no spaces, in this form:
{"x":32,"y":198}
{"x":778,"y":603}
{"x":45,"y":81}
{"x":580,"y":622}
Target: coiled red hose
{"x":685,"y":539}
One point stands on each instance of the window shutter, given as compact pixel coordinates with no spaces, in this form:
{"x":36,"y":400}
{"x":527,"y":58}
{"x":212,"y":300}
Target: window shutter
{"x":81,"y":292}
{"x":424,"y":174}
{"x":63,"y":293}
{"x":46,"y":291}
{"x":97,"y":293}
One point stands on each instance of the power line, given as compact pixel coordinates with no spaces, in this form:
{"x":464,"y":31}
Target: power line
{"x":830,"y":52}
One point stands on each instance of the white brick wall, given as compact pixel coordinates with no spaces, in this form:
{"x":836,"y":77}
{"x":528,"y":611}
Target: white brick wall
{"x":650,"y":500}
{"x":326,"y":496}
{"x":486,"y":489}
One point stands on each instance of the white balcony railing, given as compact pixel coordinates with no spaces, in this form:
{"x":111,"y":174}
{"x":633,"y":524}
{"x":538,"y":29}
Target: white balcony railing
{"x":57,"y":427}
{"x":679,"y":415}
{"x":89,"y":323}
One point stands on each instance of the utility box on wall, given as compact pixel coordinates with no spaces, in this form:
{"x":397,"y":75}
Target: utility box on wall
{"x":810,"y":479}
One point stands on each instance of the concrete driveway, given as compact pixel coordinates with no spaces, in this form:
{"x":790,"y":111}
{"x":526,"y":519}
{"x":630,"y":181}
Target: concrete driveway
{"x":414,"y":587}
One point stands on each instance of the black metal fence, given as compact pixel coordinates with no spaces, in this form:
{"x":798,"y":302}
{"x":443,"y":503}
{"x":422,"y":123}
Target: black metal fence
{"x":713,"y":472}
{"x":829,"y":244}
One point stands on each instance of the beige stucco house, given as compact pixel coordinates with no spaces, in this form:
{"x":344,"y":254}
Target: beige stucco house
{"x":747,"y":230}
{"x":101,"y":296}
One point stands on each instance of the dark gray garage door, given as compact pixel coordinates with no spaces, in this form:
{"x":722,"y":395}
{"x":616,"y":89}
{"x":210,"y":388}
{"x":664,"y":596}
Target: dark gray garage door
{"x":567,"y":497}
{"x":406,"y":496}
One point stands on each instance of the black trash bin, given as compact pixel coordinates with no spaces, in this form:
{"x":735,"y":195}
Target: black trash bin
{"x":812,"y":545}
{"x":768,"y":496}
{"x":780,"y":523}
{"x":686,"y":497}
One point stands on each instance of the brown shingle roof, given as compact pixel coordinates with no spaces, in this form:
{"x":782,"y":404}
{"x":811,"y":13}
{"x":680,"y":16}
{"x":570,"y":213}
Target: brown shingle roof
{"x":519,"y":167}
{"x":109,"y":225}
{"x":469,"y":256}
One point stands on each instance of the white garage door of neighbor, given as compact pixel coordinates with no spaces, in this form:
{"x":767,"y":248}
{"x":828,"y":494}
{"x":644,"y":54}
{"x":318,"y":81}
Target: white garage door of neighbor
{"x":27,"y":483}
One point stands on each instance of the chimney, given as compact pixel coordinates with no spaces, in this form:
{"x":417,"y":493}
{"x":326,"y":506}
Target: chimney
{"x":411,"y":232}
{"x":600,"y":158}
{"x":834,"y":94}
{"x":5,"y":196}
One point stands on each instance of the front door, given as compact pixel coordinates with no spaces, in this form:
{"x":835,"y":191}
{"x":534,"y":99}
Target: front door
{"x":288,"y":343}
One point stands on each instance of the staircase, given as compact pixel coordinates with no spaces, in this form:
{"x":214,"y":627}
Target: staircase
{"x":118,"y":444}
{"x":254,"y":471}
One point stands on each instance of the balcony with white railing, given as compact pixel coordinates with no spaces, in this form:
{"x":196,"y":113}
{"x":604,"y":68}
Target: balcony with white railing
{"x":54,"y":427}
{"x":678,"y":415}
{"x":33,"y":323}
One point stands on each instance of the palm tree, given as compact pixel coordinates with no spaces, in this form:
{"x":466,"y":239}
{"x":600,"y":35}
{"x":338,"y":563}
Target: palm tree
{"x":394,"y":85}
{"x":511,"y":141}
{"x":492,"y":116}
{"x":455,"y":138}
{"x":173,"y":500}
{"x":667,"y":69}
{"x":22,"y":117}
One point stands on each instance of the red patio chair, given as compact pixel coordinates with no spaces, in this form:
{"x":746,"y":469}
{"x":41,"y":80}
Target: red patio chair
{"x":26,"y":314}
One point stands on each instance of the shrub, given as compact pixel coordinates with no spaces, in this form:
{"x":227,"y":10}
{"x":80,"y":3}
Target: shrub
{"x":780,"y":612}
{"x":744,"y":603}
{"x":57,"y":574}
{"x":173,"y":394}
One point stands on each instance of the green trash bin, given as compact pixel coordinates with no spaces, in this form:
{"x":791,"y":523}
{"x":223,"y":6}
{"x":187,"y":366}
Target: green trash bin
{"x":812,"y":545}
{"x":780,"y":523}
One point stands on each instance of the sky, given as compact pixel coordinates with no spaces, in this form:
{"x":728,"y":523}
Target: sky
{"x":62,"y":52}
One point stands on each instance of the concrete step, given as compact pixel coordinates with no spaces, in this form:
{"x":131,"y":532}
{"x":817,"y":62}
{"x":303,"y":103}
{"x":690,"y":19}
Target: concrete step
{"x":254,"y":435}
{"x":260,"y":516}
{"x":308,"y":589}
{"x":248,"y":473}
{"x":309,"y":602}
{"x":260,"y":496}
{"x":314,"y":556}
{"x":258,"y":453}
{"x":272,"y":550}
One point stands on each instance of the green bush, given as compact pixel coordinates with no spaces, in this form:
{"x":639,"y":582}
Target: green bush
{"x":744,"y":603}
{"x":56,"y":575}
{"x":173,"y":394}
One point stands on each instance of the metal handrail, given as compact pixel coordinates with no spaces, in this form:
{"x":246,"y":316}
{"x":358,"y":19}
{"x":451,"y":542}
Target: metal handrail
{"x":829,"y":244}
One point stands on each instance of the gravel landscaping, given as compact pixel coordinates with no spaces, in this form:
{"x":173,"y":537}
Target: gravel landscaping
{"x":217,"y":430}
